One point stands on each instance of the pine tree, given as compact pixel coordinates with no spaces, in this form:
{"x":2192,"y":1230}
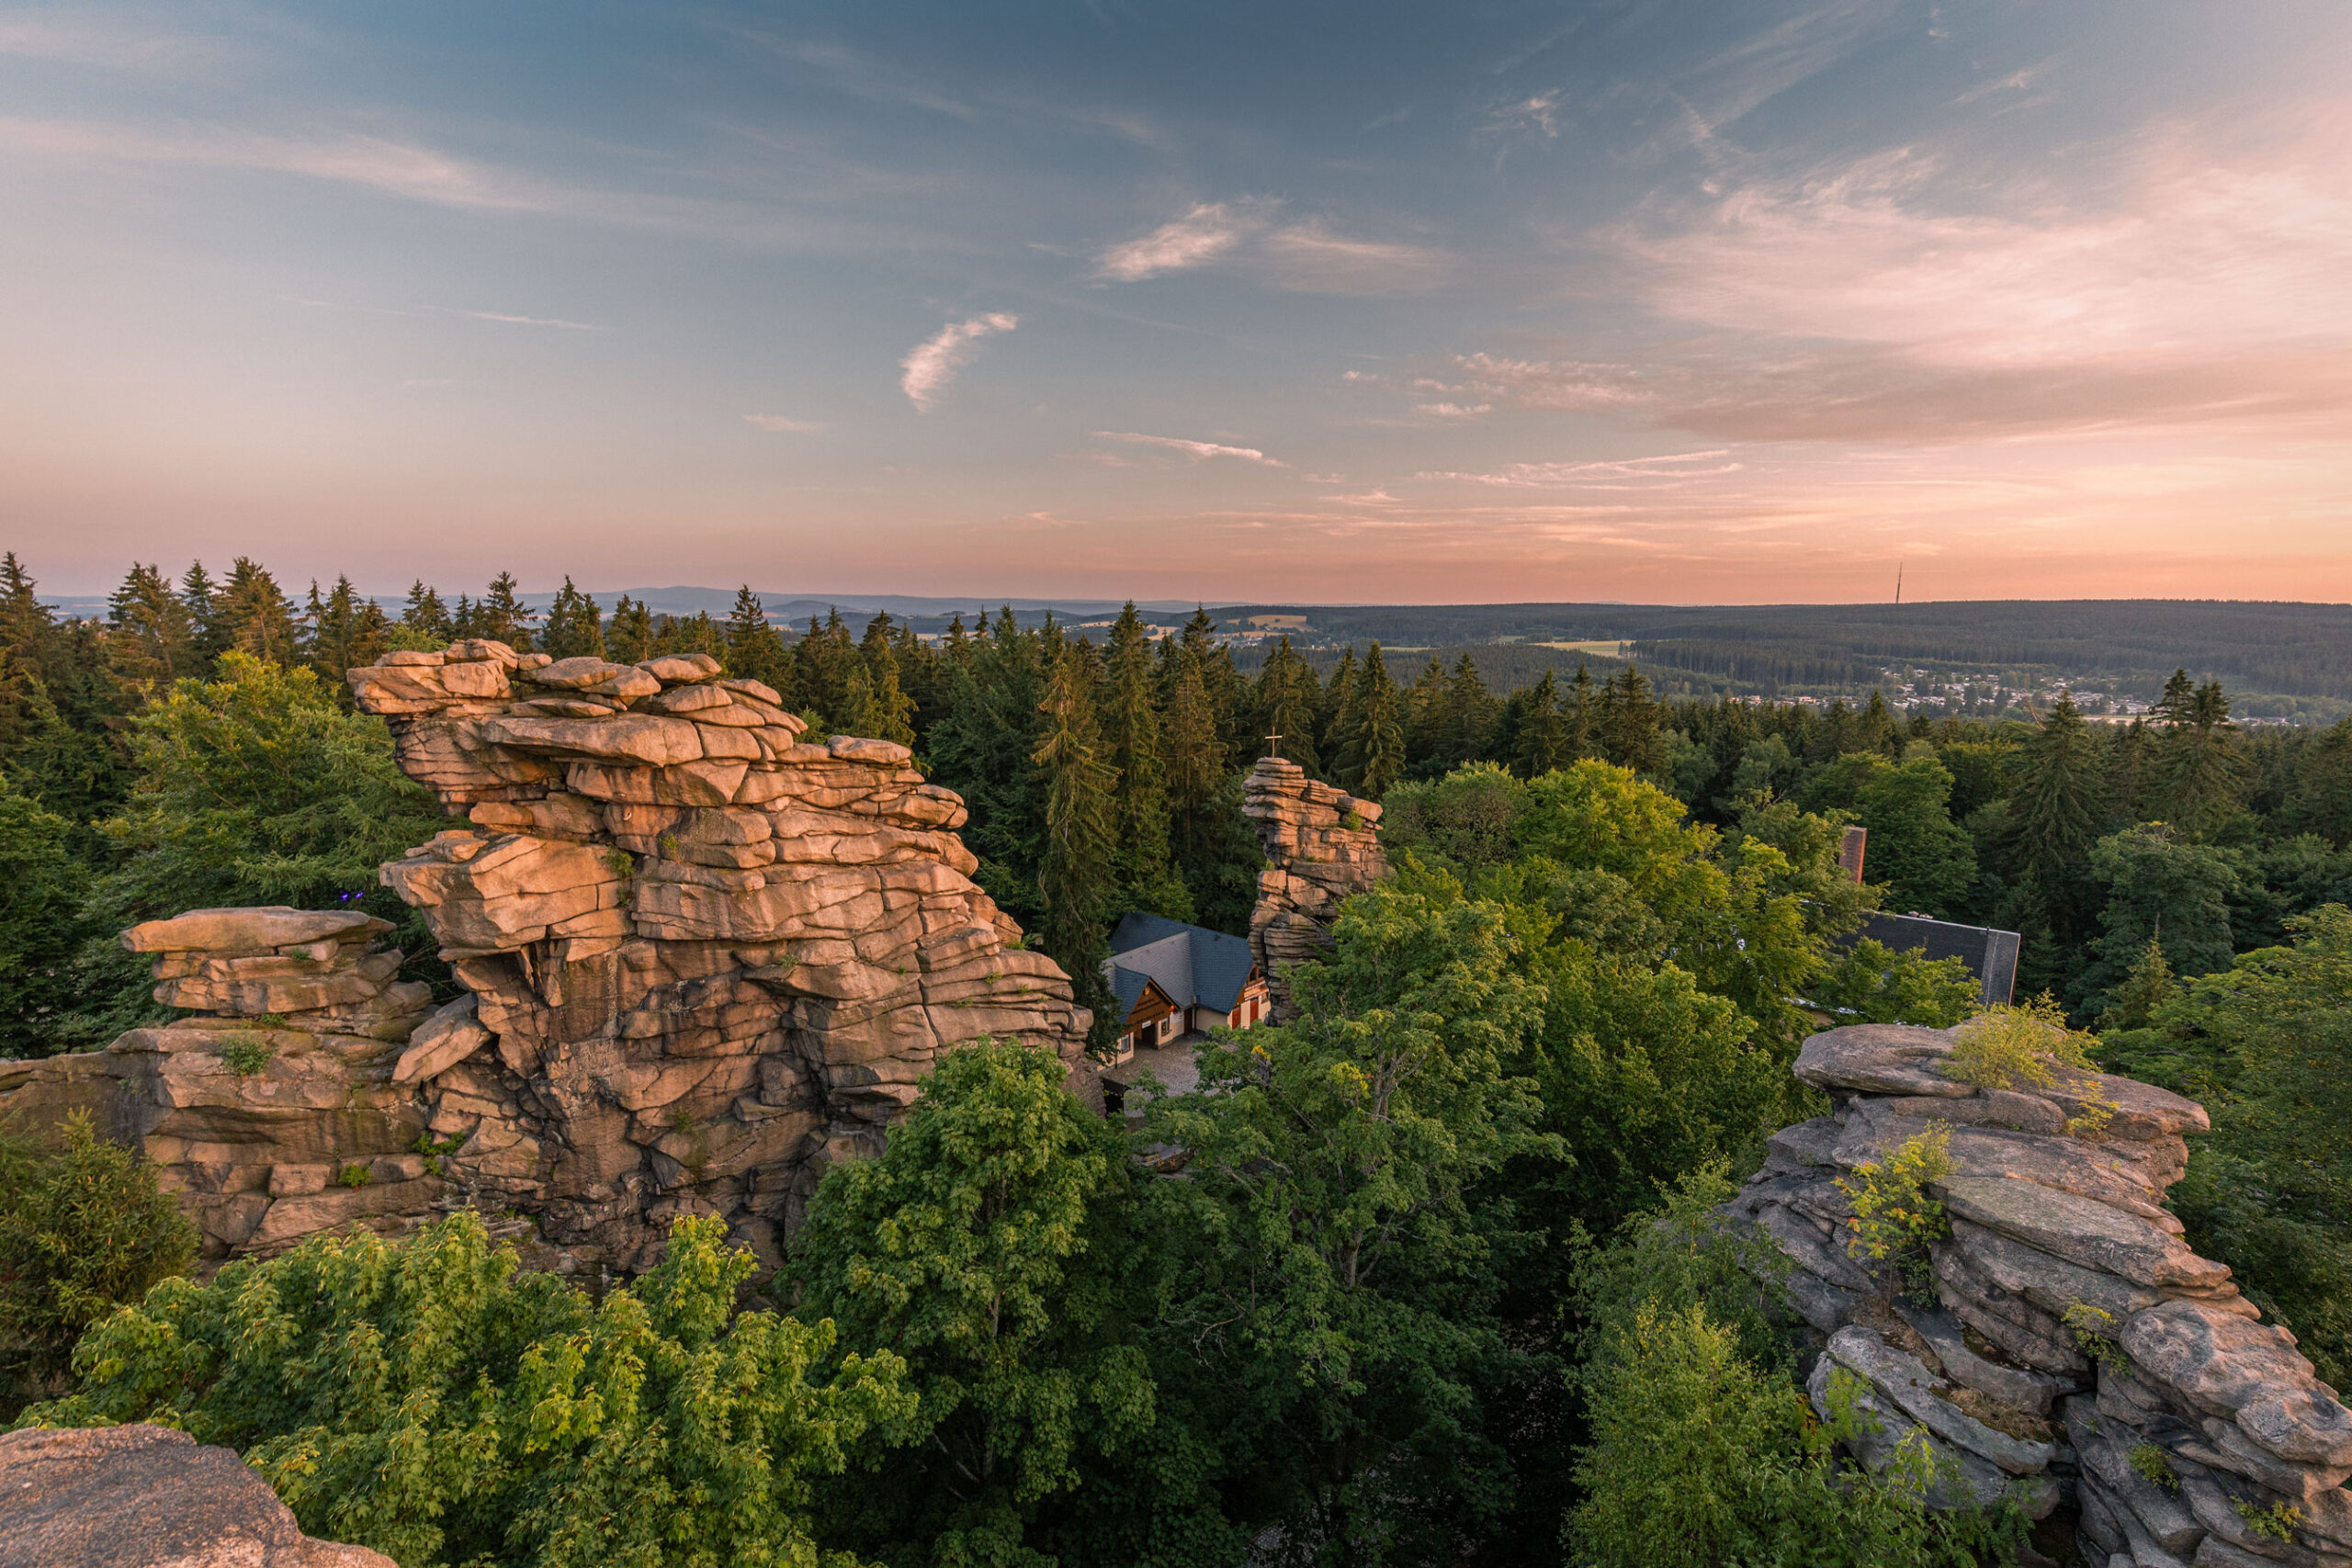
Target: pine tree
{"x":1285,"y":704}
{"x":1580,"y":715}
{"x":1188,"y":751}
{"x":2197,"y":765}
{"x":202,"y":596}
{"x":1426,"y":706}
{"x":339,"y":639}
{"x":424,"y":613}
{"x":1542,"y":732}
{"x":1130,"y":723}
{"x":755,"y":651}
{"x":1077,"y":884}
{"x":1878,"y":731}
{"x":822,"y":661}
{"x":629,"y":636}
{"x":574,"y":626}
{"x":1339,"y":716}
{"x":1470,"y":715}
{"x":1372,"y":757}
{"x":150,"y":639}
{"x":1628,"y":723}
{"x":890,"y":710}
{"x":465,"y":619}
{"x":2147,"y":987}
{"x":255,"y":616}
{"x":502,"y":616}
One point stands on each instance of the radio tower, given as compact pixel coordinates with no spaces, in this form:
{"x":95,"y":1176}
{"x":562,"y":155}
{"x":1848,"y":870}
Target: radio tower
{"x":1898,"y":585}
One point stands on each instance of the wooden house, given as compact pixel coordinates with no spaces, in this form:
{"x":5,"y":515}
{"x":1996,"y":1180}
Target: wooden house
{"x":1170,"y":979}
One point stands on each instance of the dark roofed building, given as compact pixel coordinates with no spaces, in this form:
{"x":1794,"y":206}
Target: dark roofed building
{"x":1991,"y":955}
{"x":1170,"y":979}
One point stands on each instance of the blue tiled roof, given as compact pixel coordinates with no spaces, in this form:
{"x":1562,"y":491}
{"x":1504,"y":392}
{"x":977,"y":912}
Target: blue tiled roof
{"x":1196,"y":966}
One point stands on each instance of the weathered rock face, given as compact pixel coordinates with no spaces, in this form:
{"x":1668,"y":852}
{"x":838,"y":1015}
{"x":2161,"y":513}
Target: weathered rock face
{"x":2078,"y":1352}
{"x":271,"y":1111}
{"x":702,"y":962}
{"x":705,"y":960}
{"x":145,"y":1496}
{"x":1323,"y":845}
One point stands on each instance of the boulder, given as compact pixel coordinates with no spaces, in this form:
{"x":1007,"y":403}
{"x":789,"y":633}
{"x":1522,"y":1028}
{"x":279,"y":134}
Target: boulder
{"x":453,"y":1033}
{"x":145,"y":1496}
{"x":254,"y":930}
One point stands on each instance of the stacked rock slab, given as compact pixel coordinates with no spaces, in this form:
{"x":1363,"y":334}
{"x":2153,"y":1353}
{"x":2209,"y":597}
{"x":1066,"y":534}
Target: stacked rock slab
{"x":704,"y":958}
{"x":2078,"y":1352}
{"x":272,"y":1110}
{"x":1321,"y":844}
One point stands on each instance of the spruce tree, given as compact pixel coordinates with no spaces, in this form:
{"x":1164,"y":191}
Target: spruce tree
{"x":150,"y":639}
{"x":1189,"y":750}
{"x":575,"y":625}
{"x":1285,"y":704}
{"x":1374,"y":755}
{"x":502,"y":615}
{"x":1580,"y":715}
{"x":202,"y":596}
{"x":425,"y":614}
{"x":890,"y":710}
{"x":629,"y":636}
{"x":1077,"y":884}
{"x":1543,"y":731}
{"x":1426,"y":706}
{"x":1628,"y":723}
{"x":1339,"y":710}
{"x":2197,"y":764}
{"x":754,"y":651}
{"x":1470,"y":714}
{"x":1130,"y":724}
{"x":256,"y":617}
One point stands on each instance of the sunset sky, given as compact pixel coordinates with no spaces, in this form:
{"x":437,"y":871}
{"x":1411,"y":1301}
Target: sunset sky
{"x":1655,"y":301}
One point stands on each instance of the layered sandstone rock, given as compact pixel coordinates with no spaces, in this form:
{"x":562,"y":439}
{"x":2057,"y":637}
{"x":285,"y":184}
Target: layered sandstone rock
{"x":705,"y":959}
{"x":702,"y":961}
{"x":1321,"y":844}
{"x":272,"y":1110}
{"x":2077,"y":1352}
{"x":145,"y":1496}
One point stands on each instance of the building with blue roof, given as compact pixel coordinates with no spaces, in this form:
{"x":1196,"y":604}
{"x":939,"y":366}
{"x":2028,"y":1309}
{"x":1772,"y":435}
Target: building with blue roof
{"x":1170,"y":979}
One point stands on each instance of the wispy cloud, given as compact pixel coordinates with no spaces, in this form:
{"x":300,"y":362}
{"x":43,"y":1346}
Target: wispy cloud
{"x":532,"y":321}
{"x":1209,"y":230}
{"x":1454,"y":410}
{"x":930,"y":366}
{"x":1199,"y":451}
{"x":782,"y":425}
{"x":1306,"y":254}
{"x":1606,"y":473}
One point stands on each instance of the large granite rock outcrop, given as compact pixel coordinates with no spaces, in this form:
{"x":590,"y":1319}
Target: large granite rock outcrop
{"x":2077,"y":1352}
{"x":702,"y":962}
{"x":144,"y":1496}
{"x":705,"y":959}
{"x":1321,"y":844}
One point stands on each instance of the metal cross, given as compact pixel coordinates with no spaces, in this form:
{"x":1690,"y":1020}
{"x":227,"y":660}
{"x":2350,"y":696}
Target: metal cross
{"x":1274,"y":748}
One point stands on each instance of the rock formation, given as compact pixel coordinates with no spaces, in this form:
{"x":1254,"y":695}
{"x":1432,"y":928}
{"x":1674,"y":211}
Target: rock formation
{"x":701,"y":961}
{"x":2077,"y":1352}
{"x":270,"y":1109}
{"x":144,"y":1496}
{"x":1322,"y":845}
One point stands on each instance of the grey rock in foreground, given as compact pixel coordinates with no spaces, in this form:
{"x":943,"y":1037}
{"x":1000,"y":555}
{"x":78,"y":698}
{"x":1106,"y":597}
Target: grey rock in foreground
{"x":2078,"y":1352}
{"x":147,"y":1497}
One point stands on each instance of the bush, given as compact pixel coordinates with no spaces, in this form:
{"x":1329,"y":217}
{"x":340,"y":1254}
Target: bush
{"x":429,"y":1399}
{"x":1872,"y":983}
{"x":1701,"y":1460}
{"x":1897,"y":1220}
{"x":82,"y":1231}
{"x":2029,"y":1048}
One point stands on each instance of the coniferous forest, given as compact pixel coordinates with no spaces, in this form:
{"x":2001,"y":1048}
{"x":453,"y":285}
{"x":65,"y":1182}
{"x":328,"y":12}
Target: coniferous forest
{"x":1434,"y":1280}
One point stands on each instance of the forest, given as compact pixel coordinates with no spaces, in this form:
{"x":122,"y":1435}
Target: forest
{"x":1437,"y":1282}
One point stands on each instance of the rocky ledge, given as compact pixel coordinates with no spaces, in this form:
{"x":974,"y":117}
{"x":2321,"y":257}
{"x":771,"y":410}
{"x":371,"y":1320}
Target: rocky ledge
{"x":2076,"y":1353}
{"x":1322,"y":844}
{"x":145,"y":1496}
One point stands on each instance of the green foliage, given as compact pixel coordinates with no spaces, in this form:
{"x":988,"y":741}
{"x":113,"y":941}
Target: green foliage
{"x":970,"y":1250}
{"x":1871,"y":983}
{"x":1924,"y":858}
{"x":2093,"y":1330}
{"x":1673,"y":1258}
{"x":2276,"y":1521}
{"x":1466,"y":821}
{"x":1334,"y":1258}
{"x":43,"y":887}
{"x":2152,"y":1465}
{"x":82,"y":1231}
{"x":245,"y":1054}
{"x":1897,"y":1221}
{"x":1699,"y":1459}
{"x":353,"y":1175}
{"x":430,"y":1400}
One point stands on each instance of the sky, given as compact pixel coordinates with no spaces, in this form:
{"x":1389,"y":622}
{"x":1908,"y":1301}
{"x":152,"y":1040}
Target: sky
{"x":1650,"y":301}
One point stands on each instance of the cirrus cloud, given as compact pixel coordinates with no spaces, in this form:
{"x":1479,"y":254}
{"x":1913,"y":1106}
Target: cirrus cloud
{"x":1199,"y":451}
{"x":930,"y":365}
